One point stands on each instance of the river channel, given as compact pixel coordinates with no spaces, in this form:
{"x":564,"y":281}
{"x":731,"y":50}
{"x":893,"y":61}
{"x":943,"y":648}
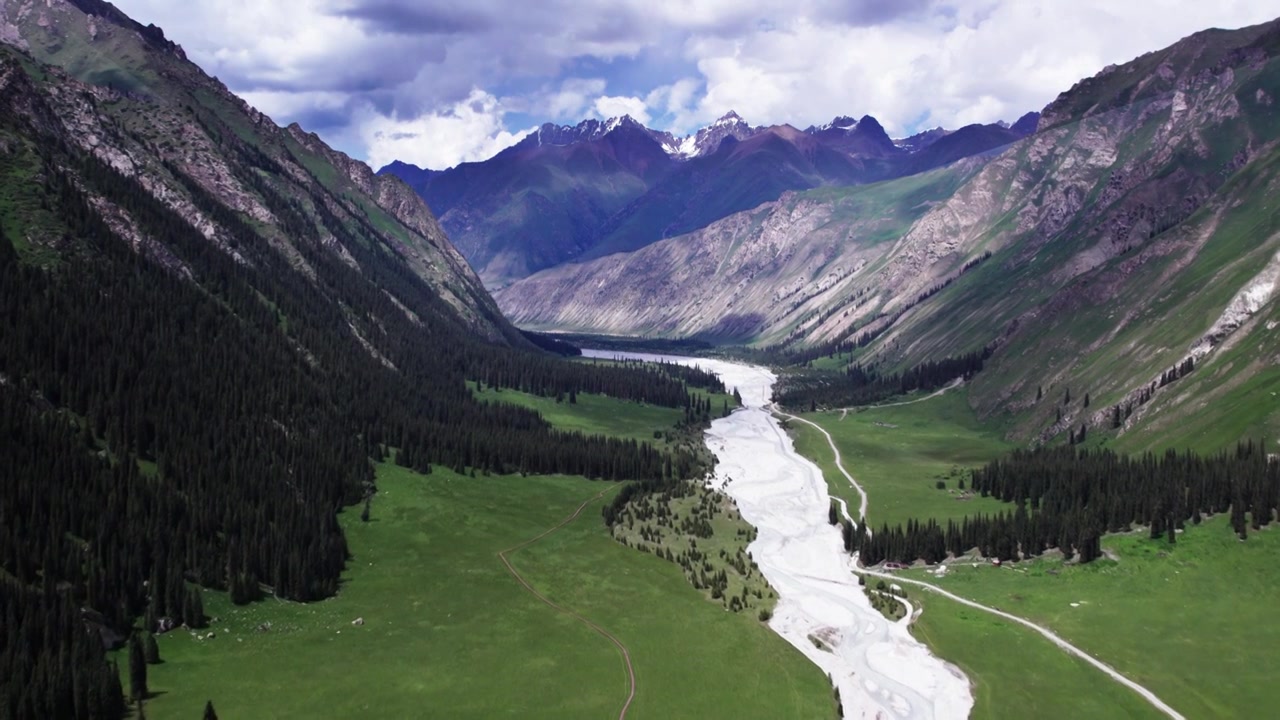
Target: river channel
{"x":880,"y":670}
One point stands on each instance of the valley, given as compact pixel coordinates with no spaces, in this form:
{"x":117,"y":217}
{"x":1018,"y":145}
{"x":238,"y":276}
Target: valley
{"x":600,"y":399}
{"x":444,"y":629}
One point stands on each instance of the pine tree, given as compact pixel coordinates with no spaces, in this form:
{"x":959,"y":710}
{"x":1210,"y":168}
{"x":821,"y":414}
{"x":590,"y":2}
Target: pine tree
{"x":152,"y":649}
{"x":137,"y":669}
{"x":364,"y":514}
{"x":209,"y":714}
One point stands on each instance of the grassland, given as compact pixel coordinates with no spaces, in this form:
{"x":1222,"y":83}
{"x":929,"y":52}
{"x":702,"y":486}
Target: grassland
{"x":1194,"y":622}
{"x":448,"y":633}
{"x":704,"y":535}
{"x":1015,"y":672}
{"x":1191,"y":621}
{"x":592,"y":414}
{"x":898,"y":455}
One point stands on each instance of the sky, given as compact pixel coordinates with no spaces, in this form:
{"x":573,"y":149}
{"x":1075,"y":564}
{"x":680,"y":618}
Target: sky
{"x":439,"y":82}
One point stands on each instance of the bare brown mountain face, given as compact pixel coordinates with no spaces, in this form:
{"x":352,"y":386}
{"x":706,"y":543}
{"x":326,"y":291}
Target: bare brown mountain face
{"x":1134,"y":230}
{"x":575,"y":193}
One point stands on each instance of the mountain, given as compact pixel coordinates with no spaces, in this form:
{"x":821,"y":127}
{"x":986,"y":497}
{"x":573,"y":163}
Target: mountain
{"x":967,"y":141}
{"x":212,"y":325}
{"x":573,"y":193}
{"x":863,"y":138}
{"x":708,"y":139}
{"x":1134,"y":232}
{"x":542,"y":201}
{"x":921,"y":140}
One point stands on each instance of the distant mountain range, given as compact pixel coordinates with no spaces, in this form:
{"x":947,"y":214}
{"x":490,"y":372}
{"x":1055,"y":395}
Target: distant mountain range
{"x":1136,"y":234}
{"x":571,"y":193}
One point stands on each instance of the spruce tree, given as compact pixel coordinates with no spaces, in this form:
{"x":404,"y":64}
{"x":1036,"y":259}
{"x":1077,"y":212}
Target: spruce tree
{"x":137,"y":669}
{"x":209,"y":714}
{"x":152,"y":649}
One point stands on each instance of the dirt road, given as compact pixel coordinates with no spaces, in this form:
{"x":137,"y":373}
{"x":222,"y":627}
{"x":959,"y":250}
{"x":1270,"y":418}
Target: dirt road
{"x":1052,"y":637}
{"x":626,"y":654}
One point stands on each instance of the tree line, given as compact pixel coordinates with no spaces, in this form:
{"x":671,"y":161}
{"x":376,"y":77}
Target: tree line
{"x":1067,"y":499}
{"x":859,"y":385}
{"x":174,"y":417}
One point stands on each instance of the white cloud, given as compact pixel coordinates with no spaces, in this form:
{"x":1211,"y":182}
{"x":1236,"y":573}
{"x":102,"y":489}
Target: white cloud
{"x":279,"y":103}
{"x":406,"y":66}
{"x":986,"y":62}
{"x":571,"y":100}
{"x":610,"y":107}
{"x":468,"y":131}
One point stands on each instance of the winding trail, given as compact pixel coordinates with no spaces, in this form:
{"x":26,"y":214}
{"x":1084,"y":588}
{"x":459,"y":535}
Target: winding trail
{"x":862,"y":508}
{"x":1052,"y":637}
{"x":954,"y":384}
{"x":626,"y":655}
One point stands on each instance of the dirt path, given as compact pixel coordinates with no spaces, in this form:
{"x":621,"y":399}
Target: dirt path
{"x":1048,"y":634}
{"x":862,"y":507}
{"x":626,"y":655}
{"x":956,"y":383}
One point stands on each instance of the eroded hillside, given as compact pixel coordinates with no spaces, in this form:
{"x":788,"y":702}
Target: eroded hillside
{"x":1134,"y":230}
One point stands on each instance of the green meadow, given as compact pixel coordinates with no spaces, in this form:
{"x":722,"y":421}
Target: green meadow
{"x":429,"y":623}
{"x":448,"y":633}
{"x":898,"y":454}
{"x":1193,"y":621}
{"x":593,"y":414}
{"x":1014,"y":672}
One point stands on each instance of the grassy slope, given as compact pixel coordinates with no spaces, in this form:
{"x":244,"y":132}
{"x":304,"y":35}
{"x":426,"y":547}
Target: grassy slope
{"x":592,"y":413}
{"x":448,"y":633}
{"x":1192,"y":622}
{"x":1204,"y":637}
{"x":1015,"y":672}
{"x":899,"y":466}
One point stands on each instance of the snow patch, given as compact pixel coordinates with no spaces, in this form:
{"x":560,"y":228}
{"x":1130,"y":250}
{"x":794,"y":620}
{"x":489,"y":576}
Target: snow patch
{"x":1256,"y":293}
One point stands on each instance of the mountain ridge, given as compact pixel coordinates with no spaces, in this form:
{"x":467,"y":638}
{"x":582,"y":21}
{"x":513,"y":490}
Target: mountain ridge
{"x":215,"y":328}
{"x":542,"y":202}
{"x":1087,"y":219}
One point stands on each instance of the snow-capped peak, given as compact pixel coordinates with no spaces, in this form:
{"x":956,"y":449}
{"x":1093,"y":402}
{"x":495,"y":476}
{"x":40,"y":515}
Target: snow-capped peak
{"x":702,"y":142}
{"x":729,"y":118}
{"x":688,"y":146}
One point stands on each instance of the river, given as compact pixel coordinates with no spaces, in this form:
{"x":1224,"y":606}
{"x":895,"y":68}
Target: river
{"x":879,"y":668}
